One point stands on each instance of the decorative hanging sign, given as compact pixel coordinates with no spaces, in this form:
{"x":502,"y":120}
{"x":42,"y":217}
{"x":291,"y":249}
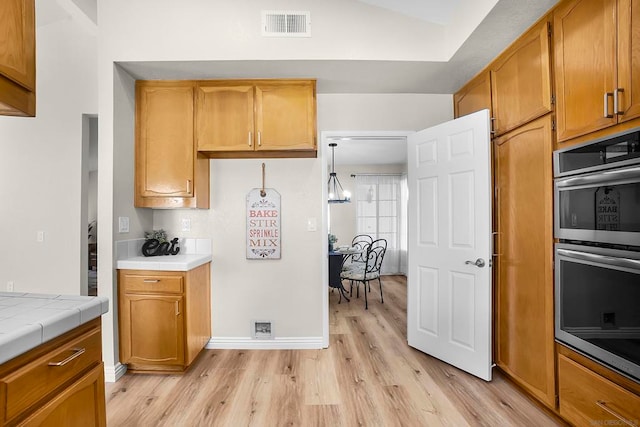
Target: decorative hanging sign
{"x":607,"y":209}
{"x":263,"y":222}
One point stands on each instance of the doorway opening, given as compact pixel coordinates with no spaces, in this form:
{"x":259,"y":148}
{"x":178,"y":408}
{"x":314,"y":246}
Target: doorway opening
{"x":89,"y":209}
{"x":371,"y":165}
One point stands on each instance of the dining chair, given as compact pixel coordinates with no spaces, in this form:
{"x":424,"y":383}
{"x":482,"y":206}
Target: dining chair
{"x":357,"y":260}
{"x":374,"y":256}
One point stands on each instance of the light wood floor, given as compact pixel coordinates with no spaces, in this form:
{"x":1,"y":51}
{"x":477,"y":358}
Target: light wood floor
{"x":368,"y":376}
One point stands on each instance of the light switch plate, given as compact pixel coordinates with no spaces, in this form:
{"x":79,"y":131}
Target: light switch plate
{"x":123,"y":224}
{"x":312,"y":224}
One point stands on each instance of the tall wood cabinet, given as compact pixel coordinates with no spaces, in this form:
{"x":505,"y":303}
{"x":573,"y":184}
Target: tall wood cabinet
{"x":524,"y":264}
{"x":256,"y":118}
{"x":165,"y":317}
{"x":17,"y":58}
{"x":597,"y":67}
{"x":168,"y":171}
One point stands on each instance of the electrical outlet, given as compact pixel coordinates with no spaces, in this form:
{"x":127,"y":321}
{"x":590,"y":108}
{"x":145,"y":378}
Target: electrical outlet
{"x":10,"y":286}
{"x":40,"y":237}
{"x":186,"y":224}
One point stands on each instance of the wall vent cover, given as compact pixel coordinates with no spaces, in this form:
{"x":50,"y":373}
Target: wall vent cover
{"x":282,"y":23}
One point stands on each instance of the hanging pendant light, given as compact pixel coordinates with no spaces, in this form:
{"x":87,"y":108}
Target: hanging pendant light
{"x":335,"y":190}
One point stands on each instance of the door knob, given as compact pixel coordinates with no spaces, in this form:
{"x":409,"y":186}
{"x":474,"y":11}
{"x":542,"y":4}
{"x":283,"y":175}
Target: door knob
{"x":478,"y":263}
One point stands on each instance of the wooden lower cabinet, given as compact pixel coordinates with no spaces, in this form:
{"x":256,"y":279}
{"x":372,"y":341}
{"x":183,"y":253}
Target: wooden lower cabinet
{"x":59,"y":383}
{"x":588,"y":399}
{"x":165,"y":318}
{"x":524,"y":334}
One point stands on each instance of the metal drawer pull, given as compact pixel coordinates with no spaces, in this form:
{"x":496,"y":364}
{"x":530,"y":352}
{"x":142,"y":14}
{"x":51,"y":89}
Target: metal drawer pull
{"x":76,"y":353}
{"x":602,"y":404}
{"x":606,"y":105}
{"x":151,"y":280}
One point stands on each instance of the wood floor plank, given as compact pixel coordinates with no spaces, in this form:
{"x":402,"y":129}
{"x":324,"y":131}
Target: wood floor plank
{"x":368,"y":376}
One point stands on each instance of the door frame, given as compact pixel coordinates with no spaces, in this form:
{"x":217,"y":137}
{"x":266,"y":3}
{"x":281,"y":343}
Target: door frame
{"x":324,"y":155}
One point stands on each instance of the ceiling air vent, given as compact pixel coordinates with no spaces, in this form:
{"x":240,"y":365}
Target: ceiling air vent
{"x":279,"y":23}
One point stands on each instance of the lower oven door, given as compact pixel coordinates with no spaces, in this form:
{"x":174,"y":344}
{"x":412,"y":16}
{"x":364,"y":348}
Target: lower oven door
{"x":598,"y":304}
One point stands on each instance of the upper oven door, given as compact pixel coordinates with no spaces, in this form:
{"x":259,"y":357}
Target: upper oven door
{"x":599,"y":207}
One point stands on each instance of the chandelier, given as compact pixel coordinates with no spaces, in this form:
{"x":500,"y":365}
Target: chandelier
{"x":335,"y":190}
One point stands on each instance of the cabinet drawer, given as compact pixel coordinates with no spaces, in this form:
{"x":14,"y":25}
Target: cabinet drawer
{"x":586,"y":398}
{"x":34,"y":381}
{"x":152,"y":283}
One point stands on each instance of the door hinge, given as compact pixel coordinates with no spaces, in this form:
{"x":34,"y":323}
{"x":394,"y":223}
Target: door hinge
{"x":549,"y":29}
{"x":553,"y":125}
{"x":553,"y":99}
{"x":495,"y":192}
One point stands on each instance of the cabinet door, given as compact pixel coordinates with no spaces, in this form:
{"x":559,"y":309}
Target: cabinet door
{"x":629,"y":59}
{"x":585,"y":66}
{"x":474,"y":96}
{"x":17,"y":54}
{"x":524,"y":271}
{"x":521,"y":80}
{"x":224,"y":117}
{"x":152,"y":329}
{"x":165,"y":147}
{"x":80,"y":404}
{"x":286,"y":115}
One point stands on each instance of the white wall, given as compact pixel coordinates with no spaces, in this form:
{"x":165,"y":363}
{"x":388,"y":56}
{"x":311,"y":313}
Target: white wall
{"x":40,"y":167}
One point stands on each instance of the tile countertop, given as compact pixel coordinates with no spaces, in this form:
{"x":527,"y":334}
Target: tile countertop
{"x":167,"y":263}
{"x":193,"y":253}
{"x":28,"y":320}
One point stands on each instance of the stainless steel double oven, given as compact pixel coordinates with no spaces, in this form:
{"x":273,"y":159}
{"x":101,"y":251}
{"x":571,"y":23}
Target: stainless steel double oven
{"x":597,"y":262}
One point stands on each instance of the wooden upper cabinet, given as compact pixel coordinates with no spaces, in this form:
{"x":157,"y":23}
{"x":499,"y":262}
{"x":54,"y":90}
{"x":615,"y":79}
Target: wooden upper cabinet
{"x":474,"y":96}
{"x":224,"y":116}
{"x":17,"y":58}
{"x":286,"y":115}
{"x":256,"y":118}
{"x":629,"y":59}
{"x":524,"y":329}
{"x":521,"y":80}
{"x":596,"y":63}
{"x":168,"y":171}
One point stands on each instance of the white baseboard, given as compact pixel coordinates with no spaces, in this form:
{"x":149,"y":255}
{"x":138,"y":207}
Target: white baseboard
{"x":248,"y":343}
{"x":113,"y":373}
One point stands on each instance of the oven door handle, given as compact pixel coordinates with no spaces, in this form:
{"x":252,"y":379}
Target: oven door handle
{"x":600,"y":178}
{"x":618,"y":262}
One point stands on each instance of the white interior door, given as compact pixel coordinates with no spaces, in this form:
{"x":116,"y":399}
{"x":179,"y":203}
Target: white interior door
{"x":449,"y":274}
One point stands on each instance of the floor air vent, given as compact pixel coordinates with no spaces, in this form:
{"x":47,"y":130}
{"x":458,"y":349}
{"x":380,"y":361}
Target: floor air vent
{"x":278,"y":23}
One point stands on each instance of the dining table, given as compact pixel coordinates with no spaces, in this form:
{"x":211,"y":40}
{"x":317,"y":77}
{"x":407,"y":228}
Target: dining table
{"x":337,"y":259}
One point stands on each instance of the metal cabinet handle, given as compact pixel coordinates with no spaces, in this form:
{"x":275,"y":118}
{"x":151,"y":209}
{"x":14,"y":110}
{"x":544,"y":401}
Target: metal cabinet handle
{"x":602,"y":404}
{"x":188,"y":186}
{"x":478,"y":263}
{"x":150,"y":281}
{"x":616,"y":102}
{"x":76,"y":353}
{"x":177,"y":308}
{"x":249,"y":139}
{"x":606,"y":105}
{"x":259,"y":140}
